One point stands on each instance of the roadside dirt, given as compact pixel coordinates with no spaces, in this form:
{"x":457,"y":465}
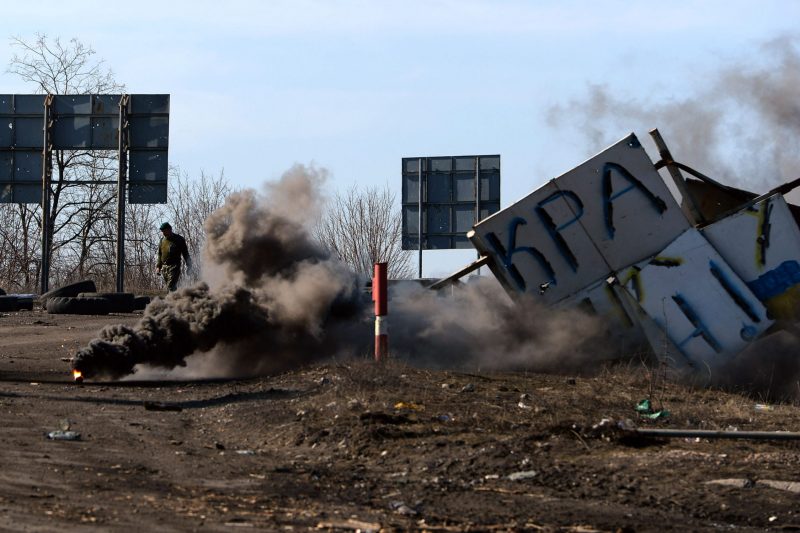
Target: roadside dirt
{"x":350,"y":445}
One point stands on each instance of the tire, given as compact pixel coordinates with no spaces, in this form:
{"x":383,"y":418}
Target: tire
{"x":73,"y":289}
{"x":68,"y":305}
{"x":140,"y":302}
{"x":8,"y":303}
{"x":24,"y":304}
{"x":121,"y":302}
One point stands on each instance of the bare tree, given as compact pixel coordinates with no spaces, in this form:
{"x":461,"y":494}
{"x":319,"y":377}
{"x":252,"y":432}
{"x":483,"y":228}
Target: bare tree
{"x":19,"y":248}
{"x":363,"y":227}
{"x":58,"y":68}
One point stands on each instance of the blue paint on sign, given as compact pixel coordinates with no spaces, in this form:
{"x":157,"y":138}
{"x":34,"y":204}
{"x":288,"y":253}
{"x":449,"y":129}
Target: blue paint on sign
{"x":609,"y":195}
{"x":506,"y":254}
{"x":776,"y":281}
{"x":554,"y":231}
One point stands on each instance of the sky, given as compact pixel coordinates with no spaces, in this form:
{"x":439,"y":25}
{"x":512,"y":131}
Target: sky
{"x":354,"y":86}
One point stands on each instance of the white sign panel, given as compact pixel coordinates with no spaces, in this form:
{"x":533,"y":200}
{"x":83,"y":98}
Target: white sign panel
{"x":706,"y":310}
{"x":606,"y":214}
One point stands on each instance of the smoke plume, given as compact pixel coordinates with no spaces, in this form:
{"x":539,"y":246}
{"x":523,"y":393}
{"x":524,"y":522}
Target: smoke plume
{"x":275,"y":299}
{"x":741,"y":125}
{"x":477,"y":326}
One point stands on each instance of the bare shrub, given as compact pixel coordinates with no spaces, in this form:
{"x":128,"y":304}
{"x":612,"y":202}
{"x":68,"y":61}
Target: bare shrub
{"x":362,"y":227}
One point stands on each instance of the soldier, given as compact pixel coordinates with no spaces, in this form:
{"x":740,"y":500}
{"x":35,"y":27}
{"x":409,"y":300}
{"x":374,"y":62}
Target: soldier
{"x":170,"y":249}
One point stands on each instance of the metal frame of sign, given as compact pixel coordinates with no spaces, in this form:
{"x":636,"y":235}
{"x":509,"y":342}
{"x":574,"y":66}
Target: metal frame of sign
{"x":33,"y":125}
{"x":444,"y":197}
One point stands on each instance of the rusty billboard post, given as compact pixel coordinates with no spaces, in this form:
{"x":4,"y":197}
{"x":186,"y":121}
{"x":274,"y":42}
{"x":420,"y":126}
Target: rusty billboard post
{"x":379,"y":296}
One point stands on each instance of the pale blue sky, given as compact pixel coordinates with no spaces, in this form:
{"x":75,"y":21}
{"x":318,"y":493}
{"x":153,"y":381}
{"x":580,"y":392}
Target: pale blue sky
{"x":354,"y":86}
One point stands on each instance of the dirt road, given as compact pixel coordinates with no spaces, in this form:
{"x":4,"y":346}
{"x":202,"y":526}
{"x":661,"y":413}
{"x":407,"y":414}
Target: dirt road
{"x":349,"y":446}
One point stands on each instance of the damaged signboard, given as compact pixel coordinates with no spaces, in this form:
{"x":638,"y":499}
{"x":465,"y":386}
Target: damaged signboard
{"x":610,"y":235}
{"x":579,"y":228}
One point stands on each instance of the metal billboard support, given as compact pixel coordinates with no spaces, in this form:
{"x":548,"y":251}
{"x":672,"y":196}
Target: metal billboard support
{"x":122,"y":179}
{"x":478,"y":197}
{"x":419,"y":217}
{"x":47,"y":163}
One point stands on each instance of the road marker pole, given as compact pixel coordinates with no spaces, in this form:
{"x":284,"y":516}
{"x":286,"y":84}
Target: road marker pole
{"x":379,"y":296}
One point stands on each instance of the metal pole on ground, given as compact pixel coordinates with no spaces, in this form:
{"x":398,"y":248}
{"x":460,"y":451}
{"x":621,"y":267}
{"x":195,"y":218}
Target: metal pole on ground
{"x":379,"y":296}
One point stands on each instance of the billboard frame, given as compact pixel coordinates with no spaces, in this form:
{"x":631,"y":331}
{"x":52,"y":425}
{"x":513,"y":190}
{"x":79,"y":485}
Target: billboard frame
{"x":81,"y":111}
{"x":455,"y":175}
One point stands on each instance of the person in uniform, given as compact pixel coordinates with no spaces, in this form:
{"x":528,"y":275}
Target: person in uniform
{"x":171,"y":248}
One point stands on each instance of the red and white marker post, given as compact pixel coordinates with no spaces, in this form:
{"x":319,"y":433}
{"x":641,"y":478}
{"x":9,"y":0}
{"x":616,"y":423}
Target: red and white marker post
{"x":379,"y":282}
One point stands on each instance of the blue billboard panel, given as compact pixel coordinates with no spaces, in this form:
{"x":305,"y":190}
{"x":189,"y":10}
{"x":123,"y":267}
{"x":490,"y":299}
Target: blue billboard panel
{"x":450,"y":199}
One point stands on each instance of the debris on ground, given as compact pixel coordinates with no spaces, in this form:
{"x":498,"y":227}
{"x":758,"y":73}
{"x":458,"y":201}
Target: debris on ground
{"x":63,"y":435}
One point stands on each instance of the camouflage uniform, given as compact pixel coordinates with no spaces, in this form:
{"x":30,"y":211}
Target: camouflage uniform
{"x":170,"y":250}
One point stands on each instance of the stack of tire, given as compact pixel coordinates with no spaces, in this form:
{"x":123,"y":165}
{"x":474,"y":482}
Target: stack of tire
{"x":15,"y":302}
{"x":82,"y":298}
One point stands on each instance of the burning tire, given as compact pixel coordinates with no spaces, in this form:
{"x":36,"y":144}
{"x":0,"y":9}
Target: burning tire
{"x":73,"y":289}
{"x":8,"y":303}
{"x":68,"y":305}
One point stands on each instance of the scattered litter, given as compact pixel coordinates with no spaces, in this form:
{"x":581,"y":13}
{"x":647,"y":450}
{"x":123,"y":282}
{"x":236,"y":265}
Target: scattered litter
{"x":773,"y":518}
{"x":219,"y":446}
{"x":401,"y":508}
{"x":524,"y":396}
{"x":410,"y":406}
{"x":446,"y":385}
{"x":469,"y":387}
{"x":67,"y":359}
{"x":518,"y":476}
{"x":351,"y":523}
{"x":791,"y":486}
{"x":491,"y":476}
{"x":64,"y":424}
{"x":521,"y":405}
{"x":763,"y":407}
{"x":245,"y":452}
{"x":161,"y":406}
{"x":324,"y":380}
{"x":645,"y":410}
{"x":64,"y":435}
{"x":737,"y":482}
{"x":445,"y":418}
{"x":571,"y":381}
